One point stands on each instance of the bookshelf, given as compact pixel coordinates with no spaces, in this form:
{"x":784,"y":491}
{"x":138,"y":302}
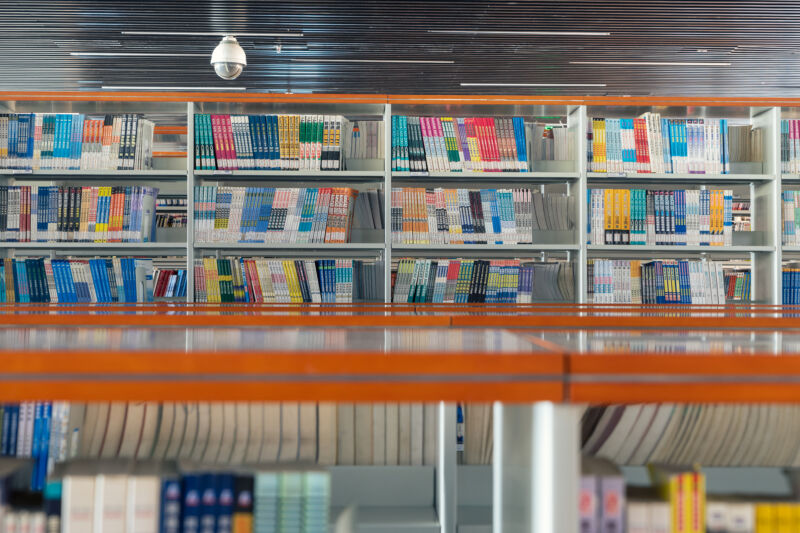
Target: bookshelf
{"x":759,"y":182}
{"x":176,"y":174}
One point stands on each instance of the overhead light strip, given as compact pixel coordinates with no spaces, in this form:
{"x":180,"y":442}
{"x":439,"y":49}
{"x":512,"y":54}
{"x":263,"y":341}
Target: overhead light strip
{"x":132,"y":54}
{"x":533,"y":84}
{"x":439,"y":62}
{"x":654,"y":63}
{"x":213,"y":34}
{"x":155,"y":88}
{"x":509,"y":32}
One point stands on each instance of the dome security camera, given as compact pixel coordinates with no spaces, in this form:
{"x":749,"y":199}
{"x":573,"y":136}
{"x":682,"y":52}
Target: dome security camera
{"x":228,"y":58}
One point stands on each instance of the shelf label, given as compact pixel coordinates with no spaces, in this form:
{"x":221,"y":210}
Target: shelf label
{"x":418,"y":173}
{"x":22,"y":171}
{"x":223,"y":172}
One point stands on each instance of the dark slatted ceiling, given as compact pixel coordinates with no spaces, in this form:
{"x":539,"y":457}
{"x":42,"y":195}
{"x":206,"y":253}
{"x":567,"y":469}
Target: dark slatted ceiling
{"x":760,"y":40}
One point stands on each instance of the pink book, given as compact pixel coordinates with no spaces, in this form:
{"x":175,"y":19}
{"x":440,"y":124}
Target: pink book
{"x":231,"y":147}
{"x":216,"y":133}
{"x":491,"y":137}
{"x":442,"y":144}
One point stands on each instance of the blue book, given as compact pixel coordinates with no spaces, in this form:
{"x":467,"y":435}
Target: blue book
{"x":5,"y":436}
{"x":208,"y":503}
{"x":2,"y":283}
{"x":12,"y":431}
{"x":169,"y":520}
{"x":225,"y":503}
{"x":36,"y":445}
{"x":191,"y":508}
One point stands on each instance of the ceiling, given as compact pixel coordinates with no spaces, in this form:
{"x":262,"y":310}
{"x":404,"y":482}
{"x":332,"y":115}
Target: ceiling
{"x":754,"y":46}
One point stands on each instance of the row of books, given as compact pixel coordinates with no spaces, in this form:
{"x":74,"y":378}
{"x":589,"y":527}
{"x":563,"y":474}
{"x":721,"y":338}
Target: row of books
{"x":35,"y":431}
{"x":480,"y":281}
{"x":476,"y":216}
{"x":72,"y":141}
{"x":552,"y":142}
{"x":447,"y":144}
{"x":171,"y":220}
{"x":169,"y":283}
{"x":791,"y":283}
{"x":279,"y":215}
{"x":267,"y":142}
{"x":790,"y":217}
{"x":737,"y":285}
{"x":670,"y":145}
{"x":197,"y":501}
{"x":658,"y":282}
{"x":287,"y":280}
{"x":85,"y":280}
{"x":32,"y":213}
{"x":790,"y":146}
{"x":640,"y":217}
{"x":364,"y":139}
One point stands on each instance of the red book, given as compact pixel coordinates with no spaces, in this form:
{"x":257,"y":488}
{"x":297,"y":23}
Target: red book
{"x":496,"y":142}
{"x":219,"y":145}
{"x":230,"y":147}
{"x":642,"y":150}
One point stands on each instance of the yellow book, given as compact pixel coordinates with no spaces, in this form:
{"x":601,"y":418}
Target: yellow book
{"x":766,"y":518}
{"x":795,"y":516}
{"x":608,"y":215}
{"x":604,"y":159}
{"x":102,"y":227}
{"x":783,"y":517}
{"x":699,"y":503}
{"x":295,"y":294}
{"x":625,"y":209}
{"x":207,"y":274}
{"x":617,"y":216}
{"x":242,"y":523}
{"x":687,"y":493}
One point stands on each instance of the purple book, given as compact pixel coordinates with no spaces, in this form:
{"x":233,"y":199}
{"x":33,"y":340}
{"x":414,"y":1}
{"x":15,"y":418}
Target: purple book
{"x":587,"y":505}
{"x":612,"y":509}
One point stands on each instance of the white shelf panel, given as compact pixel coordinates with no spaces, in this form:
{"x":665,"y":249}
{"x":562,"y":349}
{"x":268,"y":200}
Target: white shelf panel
{"x":790,"y":248}
{"x":289,"y":246}
{"x":489,"y":248}
{"x":676,"y":249}
{"x":338,"y":175}
{"x":96,"y":245}
{"x":487,"y":176}
{"x":631,"y":177}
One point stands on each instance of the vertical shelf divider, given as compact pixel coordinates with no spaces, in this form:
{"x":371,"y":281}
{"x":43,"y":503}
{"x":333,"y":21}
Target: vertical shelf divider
{"x":190,"y":202}
{"x":387,"y":203}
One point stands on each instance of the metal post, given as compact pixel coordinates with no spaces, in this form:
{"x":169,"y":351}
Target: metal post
{"x":446,"y":468}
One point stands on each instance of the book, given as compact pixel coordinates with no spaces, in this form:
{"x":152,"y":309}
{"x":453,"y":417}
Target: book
{"x":481,"y":281}
{"x":447,"y":144}
{"x":652,"y":144}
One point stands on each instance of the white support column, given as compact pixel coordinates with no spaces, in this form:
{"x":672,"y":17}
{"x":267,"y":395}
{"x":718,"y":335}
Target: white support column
{"x":190,"y":202}
{"x":577,"y":119}
{"x":536,"y":468}
{"x":446,"y":468}
{"x":387,"y":204}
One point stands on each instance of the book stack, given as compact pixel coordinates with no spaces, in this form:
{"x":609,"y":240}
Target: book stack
{"x":71,"y":141}
{"x":291,"y":501}
{"x":447,"y":144}
{"x":791,"y":283}
{"x":601,"y":498}
{"x":790,"y":216}
{"x":659,"y":282}
{"x":480,"y":281}
{"x":552,"y":143}
{"x":674,"y":217}
{"x":363,"y":139}
{"x":737,"y":285}
{"x":267,"y":142}
{"x":790,"y":146}
{"x":85,"y":280}
{"x":262,"y":280}
{"x":34,"y":430}
{"x":77,"y":214}
{"x":476,"y":216}
{"x":276,"y":215}
{"x":169,"y":283}
{"x":671,"y":146}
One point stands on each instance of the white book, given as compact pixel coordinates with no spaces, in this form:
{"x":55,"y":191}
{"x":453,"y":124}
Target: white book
{"x":229,"y":427}
{"x":307,"y":448}
{"x":110,"y":498}
{"x":256,"y":433}
{"x":88,"y":425}
{"x":363,"y":434}
{"x":190,"y":413}
{"x":132,"y":430}
{"x":78,"y":504}
{"x":143,"y":504}
{"x":272,"y":433}
{"x":165,"y":425}
{"x":242,"y":433}
{"x":99,"y":431}
{"x":177,"y":430}
{"x":392,"y":430}
{"x":404,"y":434}
{"x":115,"y":427}
{"x":290,"y":432}
{"x":202,"y":432}
{"x":327,"y":433}
{"x":347,"y":439}
{"x":429,"y":434}
{"x":215,"y":431}
{"x":378,"y":433}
